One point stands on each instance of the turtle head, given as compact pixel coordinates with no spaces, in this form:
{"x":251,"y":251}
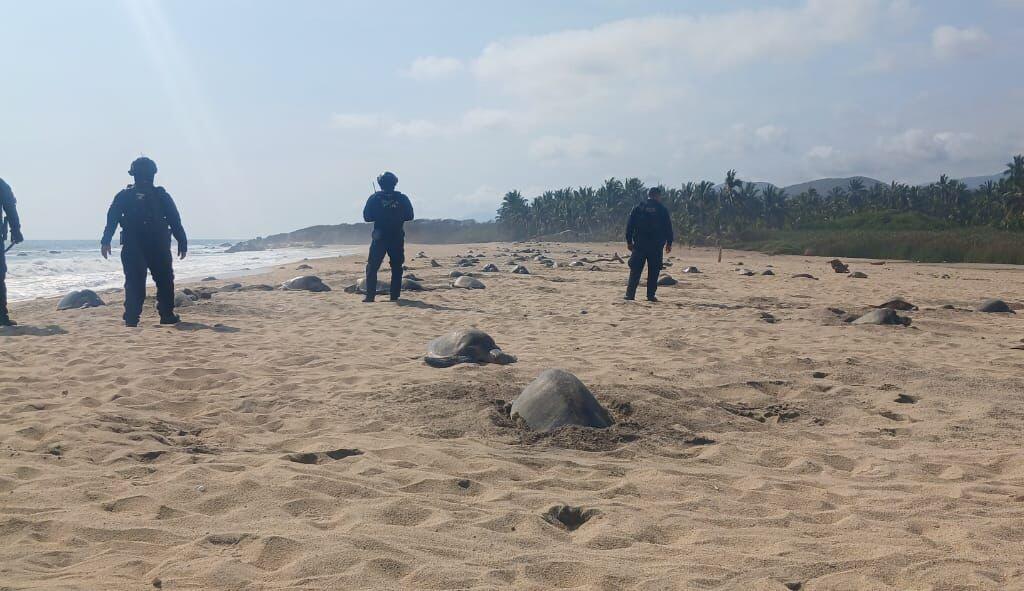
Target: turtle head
{"x":502,"y":358}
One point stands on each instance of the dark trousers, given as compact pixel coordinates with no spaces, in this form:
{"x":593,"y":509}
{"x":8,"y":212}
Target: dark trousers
{"x":652,"y":256}
{"x":395,"y":250}
{"x":3,"y":281}
{"x":137,"y":259}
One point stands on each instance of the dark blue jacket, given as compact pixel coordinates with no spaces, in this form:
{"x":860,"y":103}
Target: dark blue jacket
{"x":649,"y":225}
{"x":144,"y":215}
{"x":388,"y":210}
{"x":8,"y":209}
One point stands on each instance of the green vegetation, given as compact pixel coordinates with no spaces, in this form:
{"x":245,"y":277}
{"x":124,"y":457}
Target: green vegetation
{"x":943,"y":221}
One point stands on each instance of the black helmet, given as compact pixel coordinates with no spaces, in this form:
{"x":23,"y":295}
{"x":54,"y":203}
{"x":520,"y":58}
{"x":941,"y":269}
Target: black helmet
{"x":387,"y":181}
{"x":142,"y":166}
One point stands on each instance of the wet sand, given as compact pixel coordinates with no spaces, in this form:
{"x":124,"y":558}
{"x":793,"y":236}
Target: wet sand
{"x":295,"y":440}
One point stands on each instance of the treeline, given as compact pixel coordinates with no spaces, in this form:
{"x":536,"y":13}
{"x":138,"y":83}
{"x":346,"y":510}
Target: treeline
{"x":705,"y":213}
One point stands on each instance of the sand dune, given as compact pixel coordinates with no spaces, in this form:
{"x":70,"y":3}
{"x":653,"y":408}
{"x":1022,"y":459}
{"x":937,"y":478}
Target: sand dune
{"x":295,"y":440}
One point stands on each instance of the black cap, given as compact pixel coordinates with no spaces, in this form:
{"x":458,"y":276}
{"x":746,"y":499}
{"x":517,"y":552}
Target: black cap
{"x":142,"y":166}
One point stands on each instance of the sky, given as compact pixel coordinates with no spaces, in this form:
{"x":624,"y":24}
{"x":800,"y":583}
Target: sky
{"x":267,"y":116}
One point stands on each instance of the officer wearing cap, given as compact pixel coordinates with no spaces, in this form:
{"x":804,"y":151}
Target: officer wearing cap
{"x":388,"y":209}
{"x":148,"y":218}
{"x":648,"y":236}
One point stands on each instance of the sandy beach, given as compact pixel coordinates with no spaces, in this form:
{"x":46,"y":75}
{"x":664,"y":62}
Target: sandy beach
{"x":296,"y":440}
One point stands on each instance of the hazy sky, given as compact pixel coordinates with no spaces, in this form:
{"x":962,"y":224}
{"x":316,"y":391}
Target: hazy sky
{"x":269,"y":116}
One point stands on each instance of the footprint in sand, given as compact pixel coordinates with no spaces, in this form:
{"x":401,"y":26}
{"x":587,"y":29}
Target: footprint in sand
{"x":320,"y":457}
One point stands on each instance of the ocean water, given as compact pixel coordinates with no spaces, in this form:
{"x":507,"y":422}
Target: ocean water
{"x":38,"y":268}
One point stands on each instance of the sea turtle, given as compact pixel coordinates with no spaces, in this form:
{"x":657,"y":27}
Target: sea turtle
{"x":383,"y":287}
{"x":490,"y":268}
{"x":467,"y":282}
{"x":455,"y":274}
{"x":897,"y":304}
{"x":804,"y":276}
{"x":557,"y":398}
{"x":994,"y":306}
{"x":85,"y":298}
{"x":305,"y":283}
{"x":744,"y":272}
{"x":183,"y":300}
{"x":465,"y":346}
{"x":667,"y":280}
{"x":303,"y":267}
{"x":576,"y":264}
{"x":767,"y":272}
{"x":691,"y":270}
{"x":838,"y":266}
{"x":858,"y":275}
{"x":595,"y":268}
{"x":882,"y":316}
{"x":521,"y":270}
{"x":230,"y":287}
{"x":434,"y":263}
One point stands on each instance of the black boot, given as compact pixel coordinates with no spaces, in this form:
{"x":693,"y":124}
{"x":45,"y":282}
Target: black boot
{"x":5,"y":320}
{"x":170,"y":319}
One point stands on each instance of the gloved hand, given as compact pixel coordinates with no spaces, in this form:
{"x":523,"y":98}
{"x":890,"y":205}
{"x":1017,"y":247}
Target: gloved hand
{"x":16,"y":236}
{"x":182,"y":249}
{"x":105,"y":250}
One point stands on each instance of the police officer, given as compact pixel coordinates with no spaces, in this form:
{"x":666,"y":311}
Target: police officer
{"x":8,"y":219}
{"x":388,"y":209}
{"x":648,"y":233}
{"x":148,"y":219}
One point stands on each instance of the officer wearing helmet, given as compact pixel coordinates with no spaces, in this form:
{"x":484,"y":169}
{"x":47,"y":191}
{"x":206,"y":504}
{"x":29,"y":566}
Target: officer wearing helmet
{"x":148,"y":218}
{"x":388,"y":209}
{"x":8,"y":219}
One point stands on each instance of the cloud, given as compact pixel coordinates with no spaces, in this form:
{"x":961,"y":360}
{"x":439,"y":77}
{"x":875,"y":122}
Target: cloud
{"x":477,"y":120}
{"x":949,"y":43}
{"x":355,"y":121}
{"x":486,"y":119}
{"x":825,"y":160}
{"x":575,"y":147}
{"x":611,"y":61}
{"x":433,"y":68}
{"x":740,"y":140}
{"x":915,"y":145}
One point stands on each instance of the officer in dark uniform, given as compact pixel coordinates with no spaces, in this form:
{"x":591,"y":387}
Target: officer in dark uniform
{"x":388,"y":209}
{"x":148,"y":219}
{"x":648,"y":233}
{"x":8,"y":219}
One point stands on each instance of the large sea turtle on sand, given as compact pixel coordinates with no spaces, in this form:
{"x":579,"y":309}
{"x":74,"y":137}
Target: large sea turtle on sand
{"x":305,"y":283}
{"x":897,"y":304}
{"x":882,"y":316}
{"x":467,"y":282}
{"x":384,"y":287}
{"x":667,"y":280}
{"x":85,"y":298}
{"x":556,"y":399}
{"x":521,"y":270}
{"x":465,"y":346}
{"x":994,"y":306}
{"x":491,"y":268}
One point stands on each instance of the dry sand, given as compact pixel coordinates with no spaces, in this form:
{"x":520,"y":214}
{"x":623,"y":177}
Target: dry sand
{"x":166,"y":457}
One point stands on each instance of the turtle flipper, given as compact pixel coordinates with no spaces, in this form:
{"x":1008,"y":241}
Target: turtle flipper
{"x":502,"y":358}
{"x":446,"y":361}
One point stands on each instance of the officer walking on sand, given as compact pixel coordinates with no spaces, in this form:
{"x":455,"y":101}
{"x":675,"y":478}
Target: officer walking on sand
{"x":148,"y":219}
{"x":8,"y":219}
{"x":388,"y":209}
{"x":648,"y":234}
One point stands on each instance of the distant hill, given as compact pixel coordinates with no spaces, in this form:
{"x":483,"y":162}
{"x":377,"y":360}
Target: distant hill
{"x":417,"y":231}
{"x":761,"y":185}
{"x":973,"y":182}
{"x":823,"y":186}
